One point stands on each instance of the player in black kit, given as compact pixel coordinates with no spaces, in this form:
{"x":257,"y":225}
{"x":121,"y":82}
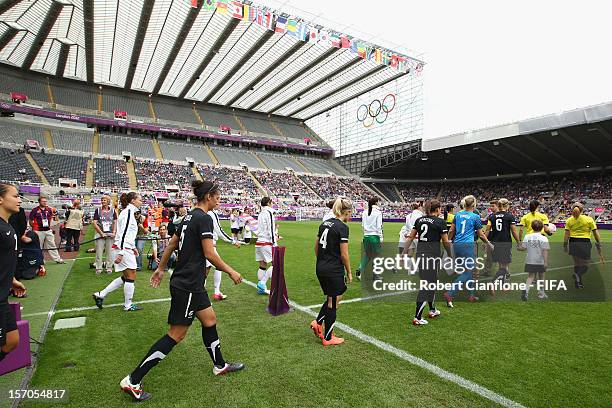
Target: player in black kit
{"x":431,"y":229}
{"x":331,"y":250}
{"x":499,"y":227}
{"x":194,"y":240}
{"x":9,"y":205}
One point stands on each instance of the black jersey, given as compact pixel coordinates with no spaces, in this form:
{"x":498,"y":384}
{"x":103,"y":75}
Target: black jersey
{"x":332,"y":233}
{"x":8,"y":259}
{"x":188,"y":274}
{"x":501,"y":223}
{"x":430,"y":230}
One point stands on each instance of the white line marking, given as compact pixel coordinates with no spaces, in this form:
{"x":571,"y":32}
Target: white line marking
{"x":80,"y":309}
{"x":467,"y":384}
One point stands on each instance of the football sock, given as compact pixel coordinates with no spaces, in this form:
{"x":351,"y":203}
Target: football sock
{"x":158,"y":351}
{"x":330,"y":319}
{"x":432,"y":306}
{"x":261,"y":273}
{"x":217,"y":280}
{"x":322,"y":312}
{"x":128,"y":293}
{"x":114,"y":285}
{"x":577,"y":274}
{"x":213,"y":345}
{"x":418,"y":314}
{"x":268,"y":274}
{"x":529,"y":282}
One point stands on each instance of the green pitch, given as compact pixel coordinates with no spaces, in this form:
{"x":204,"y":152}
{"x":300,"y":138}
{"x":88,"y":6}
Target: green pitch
{"x":538,"y":353}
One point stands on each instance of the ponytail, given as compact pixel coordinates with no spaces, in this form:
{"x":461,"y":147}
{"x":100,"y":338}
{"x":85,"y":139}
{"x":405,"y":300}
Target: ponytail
{"x":203,"y":187}
{"x":533,"y":206}
{"x":126,"y":198}
{"x":4,"y":188}
{"x":341,"y":205}
{"x":431,"y":206}
{"x":372,"y":202}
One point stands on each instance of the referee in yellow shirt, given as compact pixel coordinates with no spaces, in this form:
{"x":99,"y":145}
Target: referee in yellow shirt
{"x":577,"y":241}
{"x":528,"y":218}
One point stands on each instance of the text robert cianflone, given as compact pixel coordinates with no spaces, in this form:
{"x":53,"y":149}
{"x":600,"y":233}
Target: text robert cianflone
{"x":406,"y":285}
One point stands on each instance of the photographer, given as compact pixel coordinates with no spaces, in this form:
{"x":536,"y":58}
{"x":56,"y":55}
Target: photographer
{"x":159,"y":246}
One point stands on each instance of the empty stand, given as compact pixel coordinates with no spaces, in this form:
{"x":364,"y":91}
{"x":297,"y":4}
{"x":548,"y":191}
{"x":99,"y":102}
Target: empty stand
{"x":72,"y":140}
{"x":34,"y":88}
{"x":178,"y":112}
{"x":258,"y":125}
{"x":134,"y":105}
{"x":389,"y":191}
{"x":318,"y":166}
{"x":13,"y":132}
{"x":115,"y":145}
{"x":215,"y":118}
{"x":77,"y":96}
{"x":15,"y":167}
{"x":233,"y":157}
{"x":110,"y":173}
{"x":279,"y":161}
{"x":55,"y":166}
{"x":180,"y":150}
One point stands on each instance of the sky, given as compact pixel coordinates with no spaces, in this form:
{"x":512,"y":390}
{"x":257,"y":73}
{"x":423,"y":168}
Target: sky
{"x":488,"y":62}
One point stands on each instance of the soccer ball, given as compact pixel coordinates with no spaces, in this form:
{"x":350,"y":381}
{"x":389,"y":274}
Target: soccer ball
{"x":552,"y":228}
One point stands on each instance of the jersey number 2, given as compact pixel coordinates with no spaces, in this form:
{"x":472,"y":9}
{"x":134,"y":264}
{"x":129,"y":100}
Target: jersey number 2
{"x":323,"y":239}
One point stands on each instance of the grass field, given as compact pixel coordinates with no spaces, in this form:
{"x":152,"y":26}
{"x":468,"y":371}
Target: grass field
{"x":538,"y":353}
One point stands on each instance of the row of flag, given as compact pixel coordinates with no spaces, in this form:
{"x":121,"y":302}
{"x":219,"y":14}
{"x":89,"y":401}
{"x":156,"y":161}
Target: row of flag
{"x":305,"y":32}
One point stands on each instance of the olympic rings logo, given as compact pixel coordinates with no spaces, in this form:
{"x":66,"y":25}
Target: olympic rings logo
{"x":376,"y":111}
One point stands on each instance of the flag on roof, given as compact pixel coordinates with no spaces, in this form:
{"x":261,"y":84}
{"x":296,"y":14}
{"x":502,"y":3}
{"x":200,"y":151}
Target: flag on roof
{"x":235,"y":9}
{"x":209,"y":5}
{"x":194,"y":3}
{"x":222,"y":6}
{"x":281,"y":24}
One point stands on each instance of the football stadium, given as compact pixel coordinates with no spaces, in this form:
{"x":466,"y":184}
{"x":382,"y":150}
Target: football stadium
{"x":236,"y":173}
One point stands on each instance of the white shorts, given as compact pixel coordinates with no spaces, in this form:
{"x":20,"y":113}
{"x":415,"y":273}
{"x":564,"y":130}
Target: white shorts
{"x":128,"y":261}
{"x":263,"y":253}
{"x":208,"y":264}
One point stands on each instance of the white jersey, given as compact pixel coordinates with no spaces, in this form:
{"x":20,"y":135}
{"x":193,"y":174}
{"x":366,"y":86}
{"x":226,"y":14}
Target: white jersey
{"x":402,"y":236}
{"x":127,"y":228}
{"x":372,"y":224}
{"x":411,"y":219}
{"x":267,"y":227}
{"x":217,"y":230}
{"x":235,"y":221}
{"x":536,"y":244}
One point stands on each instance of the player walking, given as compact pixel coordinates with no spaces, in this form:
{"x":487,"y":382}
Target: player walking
{"x":266,"y":239}
{"x":500,"y":225}
{"x":218,"y":233}
{"x":194,"y":240}
{"x":372,"y":234}
{"x":331,"y":250}
{"x":577,"y":241}
{"x":125,"y":252}
{"x":431,"y":229}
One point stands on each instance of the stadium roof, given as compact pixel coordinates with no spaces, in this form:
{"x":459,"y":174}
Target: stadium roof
{"x":579,"y":139}
{"x":224,"y":52}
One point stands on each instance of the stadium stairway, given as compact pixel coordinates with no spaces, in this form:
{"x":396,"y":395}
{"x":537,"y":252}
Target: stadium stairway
{"x":306,"y":170}
{"x":157,"y":149}
{"x":152,"y":110}
{"x":50,"y":93}
{"x":37,"y":169}
{"x":398,"y":193}
{"x":197,"y":115}
{"x":237,"y":119}
{"x":196,"y":173}
{"x":306,"y":184}
{"x":100,"y":102}
{"x":212,"y":155}
{"x":377,"y":191}
{"x":95,"y":142}
{"x":260,"y":160}
{"x":89,"y":176}
{"x":131,"y":172}
{"x":278,"y":130}
{"x":258,"y":184}
{"x":341,"y":170}
{"x":48,"y":139}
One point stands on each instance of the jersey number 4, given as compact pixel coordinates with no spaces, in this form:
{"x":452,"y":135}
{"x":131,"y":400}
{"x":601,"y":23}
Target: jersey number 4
{"x":323,"y":239}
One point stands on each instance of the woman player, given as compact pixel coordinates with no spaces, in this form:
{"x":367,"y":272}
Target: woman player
{"x":528,"y":218}
{"x":372,"y":223}
{"x":218,"y":233}
{"x":577,"y":241}
{"x":331,"y":250}
{"x":9,"y":205}
{"x":125,"y":252}
{"x":431,"y":229}
{"x":266,"y":239}
{"x":500,"y":225}
{"x":194,"y":240}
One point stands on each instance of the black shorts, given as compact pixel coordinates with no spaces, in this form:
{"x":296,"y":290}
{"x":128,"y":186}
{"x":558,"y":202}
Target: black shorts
{"x":235,"y":230}
{"x":7,"y":322}
{"x":332,"y":285}
{"x":184,"y":305}
{"x":530,"y":268}
{"x":580,"y":248}
{"x":502,"y":253}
